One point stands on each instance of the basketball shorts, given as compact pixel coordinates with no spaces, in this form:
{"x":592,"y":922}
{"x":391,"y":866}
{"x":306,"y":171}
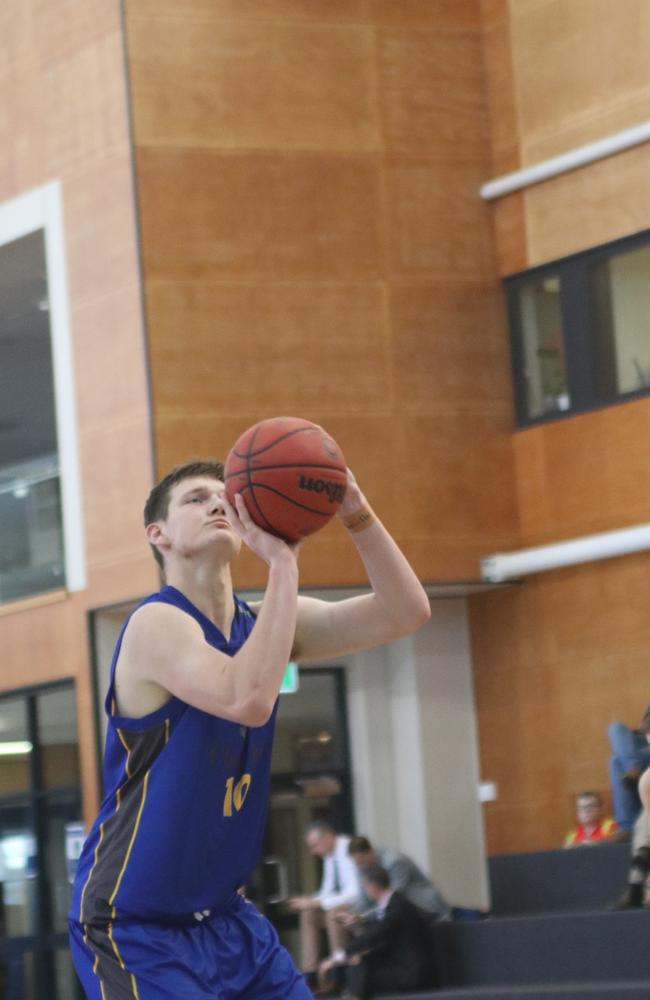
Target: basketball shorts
{"x":234,"y":954}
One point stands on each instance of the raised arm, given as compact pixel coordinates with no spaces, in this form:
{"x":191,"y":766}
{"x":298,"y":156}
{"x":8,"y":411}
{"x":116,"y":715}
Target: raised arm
{"x":397,"y":606}
{"x":166,"y":649}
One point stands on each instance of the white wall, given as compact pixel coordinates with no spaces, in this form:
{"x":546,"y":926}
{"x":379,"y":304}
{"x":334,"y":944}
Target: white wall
{"x":415,"y":752}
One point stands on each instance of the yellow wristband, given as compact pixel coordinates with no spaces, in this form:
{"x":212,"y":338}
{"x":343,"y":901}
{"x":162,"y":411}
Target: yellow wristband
{"x":360,"y":520}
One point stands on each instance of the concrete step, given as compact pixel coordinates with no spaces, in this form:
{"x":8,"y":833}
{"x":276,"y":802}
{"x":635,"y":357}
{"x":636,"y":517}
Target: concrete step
{"x":584,"y":878}
{"x":629,"y":990}
{"x":556,"y":948}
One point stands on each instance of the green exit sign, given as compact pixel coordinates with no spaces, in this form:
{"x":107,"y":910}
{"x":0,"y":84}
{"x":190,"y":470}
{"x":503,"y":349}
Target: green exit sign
{"x":290,"y":680}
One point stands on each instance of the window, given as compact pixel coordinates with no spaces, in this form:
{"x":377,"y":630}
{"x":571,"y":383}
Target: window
{"x":619,"y":290}
{"x":41,"y":542}
{"x":580,"y":330}
{"x":40,"y":823}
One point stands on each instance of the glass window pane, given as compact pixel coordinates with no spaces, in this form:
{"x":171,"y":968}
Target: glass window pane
{"x":67,"y":984}
{"x":63,"y":839}
{"x":542,"y":345}
{"x":30,"y":510}
{"x":309,"y":738}
{"x":58,"y":738}
{"x":620,"y":295}
{"x":20,"y":975}
{"x":15,"y":748}
{"x":18,"y":869}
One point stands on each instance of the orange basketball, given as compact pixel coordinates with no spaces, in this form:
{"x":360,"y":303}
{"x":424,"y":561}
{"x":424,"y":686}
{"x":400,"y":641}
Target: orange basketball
{"x":291,"y":474}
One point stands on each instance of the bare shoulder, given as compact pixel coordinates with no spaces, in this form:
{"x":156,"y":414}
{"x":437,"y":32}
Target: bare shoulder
{"x":156,"y":628}
{"x":154,"y":635}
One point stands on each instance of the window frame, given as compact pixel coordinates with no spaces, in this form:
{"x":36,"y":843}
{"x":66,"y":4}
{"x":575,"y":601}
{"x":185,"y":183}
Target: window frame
{"x":576,"y":305}
{"x":45,"y":940}
{"x":42,"y":209}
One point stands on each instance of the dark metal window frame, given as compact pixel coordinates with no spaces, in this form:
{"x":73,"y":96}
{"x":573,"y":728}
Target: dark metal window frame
{"x":577,"y":329}
{"x":45,"y":941}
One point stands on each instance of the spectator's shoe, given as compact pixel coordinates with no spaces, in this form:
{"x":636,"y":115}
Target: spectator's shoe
{"x":632,"y":898}
{"x":631,"y":778}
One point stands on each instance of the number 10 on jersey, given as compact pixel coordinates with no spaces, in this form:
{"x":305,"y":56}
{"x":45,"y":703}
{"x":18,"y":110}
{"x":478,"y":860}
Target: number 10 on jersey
{"x":236,"y":794}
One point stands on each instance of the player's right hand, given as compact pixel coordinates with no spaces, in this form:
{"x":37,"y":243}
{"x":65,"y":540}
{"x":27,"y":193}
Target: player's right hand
{"x":268,"y":547}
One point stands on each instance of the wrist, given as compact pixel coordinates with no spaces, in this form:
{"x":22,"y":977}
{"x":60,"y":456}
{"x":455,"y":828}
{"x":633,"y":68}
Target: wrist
{"x":360,"y":518}
{"x":283,"y":563}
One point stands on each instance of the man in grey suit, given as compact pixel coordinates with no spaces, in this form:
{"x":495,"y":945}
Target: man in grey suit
{"x":404,"y":875}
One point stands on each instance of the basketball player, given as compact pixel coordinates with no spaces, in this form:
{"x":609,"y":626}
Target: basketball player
{"x":191,"y":704}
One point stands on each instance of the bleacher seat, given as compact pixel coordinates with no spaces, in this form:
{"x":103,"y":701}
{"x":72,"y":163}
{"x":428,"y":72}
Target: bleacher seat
{"x":551,"y":935}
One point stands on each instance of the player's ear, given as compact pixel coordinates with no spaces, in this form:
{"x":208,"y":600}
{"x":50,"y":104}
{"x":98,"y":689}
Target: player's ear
{"x":155,"y":534}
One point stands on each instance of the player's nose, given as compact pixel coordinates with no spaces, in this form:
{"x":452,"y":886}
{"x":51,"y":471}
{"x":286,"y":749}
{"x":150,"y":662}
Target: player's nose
{"x":216,"y":503}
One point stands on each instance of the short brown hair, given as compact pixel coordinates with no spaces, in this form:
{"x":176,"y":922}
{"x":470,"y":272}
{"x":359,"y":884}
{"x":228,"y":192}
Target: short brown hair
{"x":378,"y":876}
{"x":157,"y":506}
{"x":359,"y":845}
{"x":596,"y":796}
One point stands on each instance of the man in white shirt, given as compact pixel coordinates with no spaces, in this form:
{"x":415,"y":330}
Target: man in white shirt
{"x":339,"y":888}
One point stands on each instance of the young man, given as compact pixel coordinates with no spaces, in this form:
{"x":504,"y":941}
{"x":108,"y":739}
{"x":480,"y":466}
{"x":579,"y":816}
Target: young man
{"x":404,"y":875}
{"x":340,"y":888}
{"x":195,"y":677}
{"x":392,"y":949}
{"x":593,"y":827}
{"x":630,"y":758}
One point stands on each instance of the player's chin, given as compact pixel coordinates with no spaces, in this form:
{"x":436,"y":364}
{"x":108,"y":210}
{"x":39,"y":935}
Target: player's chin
{"x":227,"y":542}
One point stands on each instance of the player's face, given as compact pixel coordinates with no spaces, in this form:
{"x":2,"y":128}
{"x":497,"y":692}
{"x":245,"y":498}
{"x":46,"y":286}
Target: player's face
{"x":196,"y":519}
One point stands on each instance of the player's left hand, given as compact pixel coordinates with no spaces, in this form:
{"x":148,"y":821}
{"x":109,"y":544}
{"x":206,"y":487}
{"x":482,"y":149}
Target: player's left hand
{"x":354,"y":498}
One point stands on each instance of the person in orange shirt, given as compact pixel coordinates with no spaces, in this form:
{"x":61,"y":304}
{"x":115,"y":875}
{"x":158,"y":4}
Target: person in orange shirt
{"x":592,"y":828}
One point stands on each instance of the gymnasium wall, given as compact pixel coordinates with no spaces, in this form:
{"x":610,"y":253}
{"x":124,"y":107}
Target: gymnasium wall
{"x":562,"y":654}
{"x":64,"y":117}
{"x":313,"y":244}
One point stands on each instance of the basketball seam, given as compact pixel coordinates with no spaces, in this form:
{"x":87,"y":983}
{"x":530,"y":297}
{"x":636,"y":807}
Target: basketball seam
{"x":283,"y":437}
{"x":289,"y":465}
{"x":250,"y":484}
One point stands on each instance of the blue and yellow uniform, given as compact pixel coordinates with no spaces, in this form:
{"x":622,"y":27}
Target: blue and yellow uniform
{"x":155,"y":912}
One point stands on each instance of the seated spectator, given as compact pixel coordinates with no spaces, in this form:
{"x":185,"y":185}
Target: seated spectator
{"x":634,"y":894}
{"x":630,"y":758}
{"x":591,"y":828}
{"x":391,"y":951}
{"x":404,"y":875}
{"x":339,"y":889}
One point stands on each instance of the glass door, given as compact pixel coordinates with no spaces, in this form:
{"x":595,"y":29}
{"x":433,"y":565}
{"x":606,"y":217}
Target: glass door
{"x":40,"y":807}
{"x":310,"y":779}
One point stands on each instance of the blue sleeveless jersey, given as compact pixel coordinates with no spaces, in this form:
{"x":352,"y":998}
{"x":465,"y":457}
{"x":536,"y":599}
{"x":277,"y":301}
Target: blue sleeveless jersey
{"x":182,"y":821}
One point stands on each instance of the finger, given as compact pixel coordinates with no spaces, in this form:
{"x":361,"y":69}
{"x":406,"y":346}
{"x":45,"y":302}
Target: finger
{"x":231,"y":513}
{"x":242,"y":510}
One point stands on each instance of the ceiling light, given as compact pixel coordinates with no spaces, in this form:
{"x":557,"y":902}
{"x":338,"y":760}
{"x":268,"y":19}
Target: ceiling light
{"x":15,"y":748}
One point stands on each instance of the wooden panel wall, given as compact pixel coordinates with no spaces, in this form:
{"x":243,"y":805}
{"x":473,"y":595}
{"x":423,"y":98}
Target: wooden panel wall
{"x":64,"y":116}
{"x":564,"y":653}
{"x":313,"y":244}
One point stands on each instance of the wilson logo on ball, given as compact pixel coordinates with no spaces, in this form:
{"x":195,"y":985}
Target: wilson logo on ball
{"x":334,"y":491}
